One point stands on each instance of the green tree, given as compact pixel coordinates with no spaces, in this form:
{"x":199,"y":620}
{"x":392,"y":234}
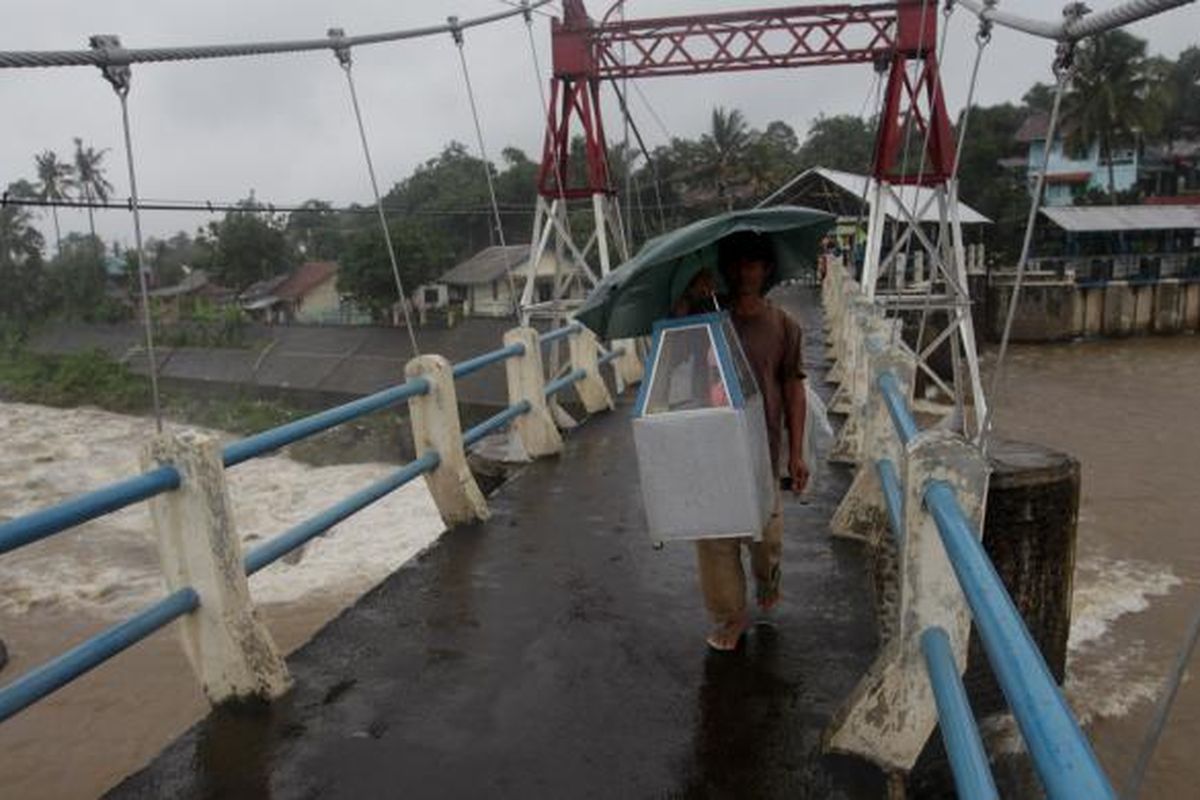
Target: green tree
{"x":723,"y":149}
{"x":366,"y":270}
{"x":55,"y":179}
{"x":22,"y":277}
{"x":772,"y":158}
{"x":843,"y":142}
{"x":249,"y":245}
{"x":1110,"y":100}
{"x":1040,"y":97}
{"x":77,"y":280}
{"x":91,"y":182}
{"x":315,"y":230}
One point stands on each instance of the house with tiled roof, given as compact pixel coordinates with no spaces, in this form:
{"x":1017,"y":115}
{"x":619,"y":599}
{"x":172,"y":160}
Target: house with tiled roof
{"x":308,"y":294}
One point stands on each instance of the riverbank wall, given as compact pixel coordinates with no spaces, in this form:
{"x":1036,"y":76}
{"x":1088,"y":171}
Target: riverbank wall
{"x":1052,"y":309}
{"x":307,"y":365}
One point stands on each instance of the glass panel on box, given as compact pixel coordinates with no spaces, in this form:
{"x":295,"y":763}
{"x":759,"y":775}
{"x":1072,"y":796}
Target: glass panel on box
{"x":741,"y":366}
{"x":685,"y":375}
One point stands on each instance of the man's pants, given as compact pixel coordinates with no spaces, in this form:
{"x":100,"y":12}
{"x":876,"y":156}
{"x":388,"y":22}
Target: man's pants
{"x":722,"y":580}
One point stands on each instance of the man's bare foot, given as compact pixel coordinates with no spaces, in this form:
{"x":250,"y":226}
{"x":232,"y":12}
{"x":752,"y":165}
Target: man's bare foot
{"x":725,"y":637}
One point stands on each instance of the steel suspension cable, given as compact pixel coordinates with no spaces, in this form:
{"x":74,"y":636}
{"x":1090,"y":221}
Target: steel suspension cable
{"x":457,"y":35}
{"x":119,"y":77}
{"x":1063,"y":68}
{"x":121,"y":57}
{"x":895,"y":304}
{"x":1162,"y":708}
{"x":662,"y":219}
{"x":537,"y":79}
{"x":345,"y":61}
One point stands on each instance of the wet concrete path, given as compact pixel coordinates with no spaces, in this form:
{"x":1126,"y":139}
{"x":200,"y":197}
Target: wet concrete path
{"x":552,"y":652}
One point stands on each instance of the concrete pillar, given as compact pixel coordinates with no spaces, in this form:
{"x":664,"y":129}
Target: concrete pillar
{"x":1093,"y":310}
{"x":891,"y":713}
{"x":592,"y":391}
{"x":862,"y":513}
{"x":229,"y":648}
{"x":436,"y":427}
{"x":847,"y":449}
{"x":1119,"y":308}
{"x":1191,"y":306}
{"x":919,"y":267}
{"x":1029,"y":535}
{"x":852,"y":329}
{"x":628,"y":365}
{"x":1168,"y":306}
{"x":1143,"y":308}
{"x":536,"y":430}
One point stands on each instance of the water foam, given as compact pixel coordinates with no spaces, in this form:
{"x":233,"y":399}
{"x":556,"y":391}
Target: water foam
{"x":109,"y":567}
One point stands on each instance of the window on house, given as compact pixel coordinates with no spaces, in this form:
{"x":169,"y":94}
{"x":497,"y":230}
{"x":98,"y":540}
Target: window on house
{"x":495,"y":290}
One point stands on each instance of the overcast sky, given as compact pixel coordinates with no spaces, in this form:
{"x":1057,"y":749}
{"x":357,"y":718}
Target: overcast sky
{"x":282,"y":126}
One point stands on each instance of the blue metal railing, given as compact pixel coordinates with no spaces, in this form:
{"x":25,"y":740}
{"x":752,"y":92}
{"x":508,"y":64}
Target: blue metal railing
{"x":271,"y":551}
{"x":960,"y":734}
{"x":45,"y":522}
{"x":56,"y":673}
{"x":275,"y":438}
{"x":494,"y":423}
{"x":472,"y":365}
{"x":893,"y":495}
{"x":560,"y":333}
{"x":1061,"y":754}
{"x":556,"y":386}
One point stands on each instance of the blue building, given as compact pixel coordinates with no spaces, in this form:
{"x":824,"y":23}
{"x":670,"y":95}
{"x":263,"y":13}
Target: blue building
{"x":1070,"y":173}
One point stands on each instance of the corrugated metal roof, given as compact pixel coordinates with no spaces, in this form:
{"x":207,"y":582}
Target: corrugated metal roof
{"x":487,"y":265}
{"x":1080,"y":219}
{"x":856,"y":185}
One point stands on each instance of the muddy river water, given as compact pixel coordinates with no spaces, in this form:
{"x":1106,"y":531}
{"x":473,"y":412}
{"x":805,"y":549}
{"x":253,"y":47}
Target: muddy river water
{"x":1126,"y":409}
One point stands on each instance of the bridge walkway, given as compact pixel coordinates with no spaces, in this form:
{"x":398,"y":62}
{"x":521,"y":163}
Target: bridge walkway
{"x":552,"y":652}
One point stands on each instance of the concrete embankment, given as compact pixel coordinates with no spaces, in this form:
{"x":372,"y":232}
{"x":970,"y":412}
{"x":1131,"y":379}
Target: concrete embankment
{"x":1051,"y":309}
{"x":317,"y":365}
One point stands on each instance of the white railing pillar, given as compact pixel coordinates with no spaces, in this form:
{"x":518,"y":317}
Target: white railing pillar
{"x":585,"y":353}
{"x":851,"y":396}
{"x":436,"y":427}
{"x":891,"y":713}
{"x":628,"y":365}
{"x":862,"y":513}
{"x":535,"y":429}
{"x":227,"y":645}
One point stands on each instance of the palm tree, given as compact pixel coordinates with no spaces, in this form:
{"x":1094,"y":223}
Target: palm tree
{"x":90,"y":180}
{"x":1110,"y":99}
{"x":724,"y":147}
{"x":55,"y":178}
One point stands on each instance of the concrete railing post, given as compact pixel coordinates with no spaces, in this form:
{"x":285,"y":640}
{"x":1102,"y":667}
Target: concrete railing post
{"x":229,"y":648}
{"x":436,"y":427}
{"x":851,"y":396}
{"x":585,"y":354}
{"x":891,"y":713}
{"x":862,"y":513}
{"x":526,"y":381}
{"x":628,"y":365}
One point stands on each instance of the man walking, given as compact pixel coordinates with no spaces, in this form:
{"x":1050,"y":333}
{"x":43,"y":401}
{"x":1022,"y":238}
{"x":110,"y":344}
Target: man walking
{"x":772,"y":342}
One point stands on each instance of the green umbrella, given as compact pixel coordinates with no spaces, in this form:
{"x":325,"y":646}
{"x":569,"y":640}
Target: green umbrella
{"x":642,"y":290}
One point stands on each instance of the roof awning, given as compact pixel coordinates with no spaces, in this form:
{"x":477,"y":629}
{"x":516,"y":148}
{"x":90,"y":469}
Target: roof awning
{"x":1083,"y":219}
{"x":815,"y":187}
{"x":262,"y":302}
